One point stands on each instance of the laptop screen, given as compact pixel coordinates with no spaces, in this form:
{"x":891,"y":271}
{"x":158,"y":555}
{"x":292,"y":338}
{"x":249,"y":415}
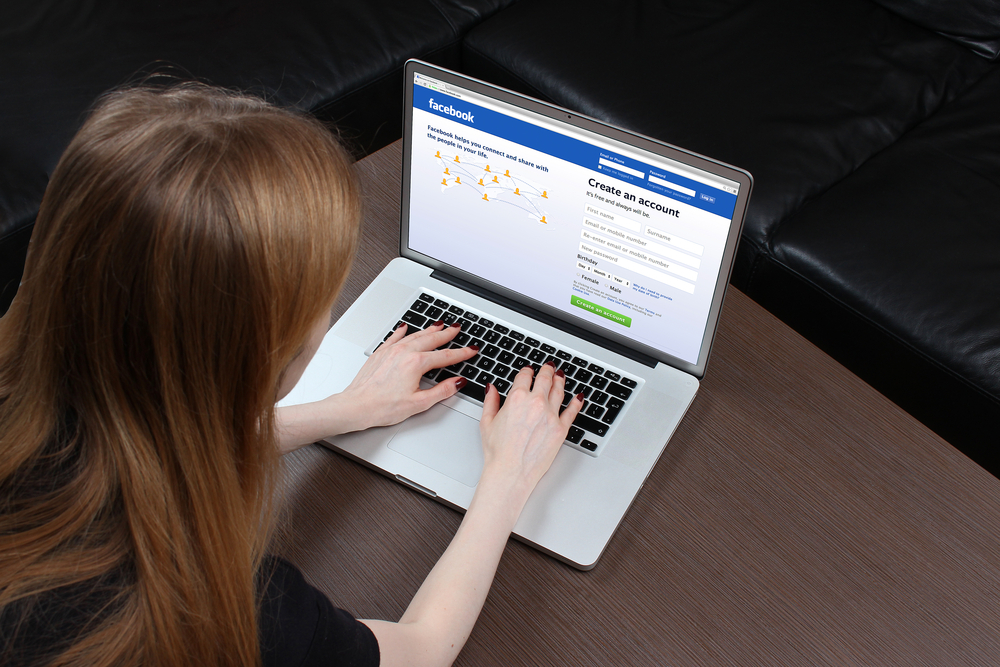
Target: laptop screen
{"x":605,"y":232}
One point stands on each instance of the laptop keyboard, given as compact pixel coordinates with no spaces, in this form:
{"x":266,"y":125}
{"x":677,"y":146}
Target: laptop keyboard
{"x":504,"y":349}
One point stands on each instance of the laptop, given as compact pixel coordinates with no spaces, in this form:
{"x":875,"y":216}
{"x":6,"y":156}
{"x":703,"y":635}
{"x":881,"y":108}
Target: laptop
{"x":548,"y":236}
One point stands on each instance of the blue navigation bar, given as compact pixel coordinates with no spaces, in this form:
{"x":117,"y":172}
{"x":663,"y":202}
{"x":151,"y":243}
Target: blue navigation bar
{"x":601,"y":160}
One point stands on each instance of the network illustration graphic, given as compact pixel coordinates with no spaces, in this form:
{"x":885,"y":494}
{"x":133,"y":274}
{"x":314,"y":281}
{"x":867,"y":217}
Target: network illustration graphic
{"x":493,"y":185}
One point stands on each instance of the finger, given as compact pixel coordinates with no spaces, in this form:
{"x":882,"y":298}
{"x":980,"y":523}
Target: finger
{"x":491,"y":405}
{"x":543,"y":381}
{"x":558,"y":387}
{"x":442,"y":358}
{"x":396,"y":336}
{"x":522,"y":380}
{"x":571,"y":411}
{"x":442,"y":390}
{"x":435,"y":335}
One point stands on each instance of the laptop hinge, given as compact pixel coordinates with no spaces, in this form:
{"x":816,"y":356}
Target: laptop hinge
{"x":534,"y":314}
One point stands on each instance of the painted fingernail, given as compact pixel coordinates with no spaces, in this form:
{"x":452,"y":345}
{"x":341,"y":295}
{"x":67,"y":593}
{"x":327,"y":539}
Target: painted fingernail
{"x":474,"y":348}
{"x":437,"y":324}
{"x":456,"y":324}
{"x":560,"y":373}
{"x":579,"y":397}
{"x":461,"y":382}
{"x":550,"y":363}
{"x":489,"y":387}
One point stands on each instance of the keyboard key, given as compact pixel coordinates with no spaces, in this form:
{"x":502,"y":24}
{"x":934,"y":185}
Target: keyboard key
{"x":519,"y":363}
{"x":594,"y":368}
{"x":611,"y":375}
{"x":462,"y":339}
{"x":599,"y":382}
{"x":441,"y":304}
{"x":501,"y":371}
{"x":486,"y":364}
{"x":471,"y":316}
{"x":506,"y":357}
{"x":516,"y":335}
{"x":470,"y":372}
{"x":513,"y":374}
{"x":485,"y":379}
{"x":580,"y":362}
{"x":583,"y":375}
{"x":431,"y":373}
{"x":473,"y":390}
{"x":563,"y":355}
{"x":614,"y":407}
{"x":487,"y":323}
{"x":478,"y":343}
{"x":575,"y":435}
{"x":413,"y":318}
{"x":419,"y":306}
{"x":570,"y":385}
{"x":630,"y":383}
{"x":584,"y":390}
{"x":434,"y":314}
{"x":621,"y":392}
{"x":547,"y":349}
{"x":491,"y":351}
{"x":592,"y":425}
{"x":449,"y":318}
{"x":477,"y":330}
{"x":506,"y":343}
{"x":537,"y":356}
{"x":534,"y":343}
{"x":491,"y":336}
{"x":598,"y":397}
{"x":595,"y":411}
{"x":502,"y":386}
{"x":427,"y":297}
{"x":462,"y":323}
{"x":456,"y":310}
{"x":522,"y":350}
{"x":588,"y":445}
{"x":499,"y":328}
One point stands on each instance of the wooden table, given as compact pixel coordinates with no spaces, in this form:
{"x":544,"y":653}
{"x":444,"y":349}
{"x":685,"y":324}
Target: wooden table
{"x":797,"y":518}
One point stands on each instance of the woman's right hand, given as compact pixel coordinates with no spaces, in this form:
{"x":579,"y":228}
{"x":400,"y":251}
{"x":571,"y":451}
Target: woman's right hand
{"x":521,"y":440}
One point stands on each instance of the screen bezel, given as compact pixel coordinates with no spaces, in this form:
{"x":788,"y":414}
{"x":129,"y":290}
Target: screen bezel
{"x":575,"y":120}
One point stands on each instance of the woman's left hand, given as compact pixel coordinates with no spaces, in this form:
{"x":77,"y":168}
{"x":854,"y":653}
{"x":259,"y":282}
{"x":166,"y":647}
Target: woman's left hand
{"x":386,"y":390}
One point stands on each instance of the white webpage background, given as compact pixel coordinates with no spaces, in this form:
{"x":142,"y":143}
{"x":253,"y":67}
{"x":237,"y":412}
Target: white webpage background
{"x":503,"y":240}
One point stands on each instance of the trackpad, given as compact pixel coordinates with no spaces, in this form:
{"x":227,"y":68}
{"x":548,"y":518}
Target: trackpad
{"x":443,"y":440}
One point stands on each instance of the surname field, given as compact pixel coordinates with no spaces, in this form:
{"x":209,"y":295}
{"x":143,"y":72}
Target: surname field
{"x":645,"y":244}
{"x":638,"y":267}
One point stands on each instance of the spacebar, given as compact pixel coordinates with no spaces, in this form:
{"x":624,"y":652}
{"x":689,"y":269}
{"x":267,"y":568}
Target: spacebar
{"x":471,"y":389}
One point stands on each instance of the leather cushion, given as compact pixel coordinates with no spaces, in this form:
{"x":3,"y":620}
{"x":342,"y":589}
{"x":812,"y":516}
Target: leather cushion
{"x":798,"y":92}
{"x":975,"y":23}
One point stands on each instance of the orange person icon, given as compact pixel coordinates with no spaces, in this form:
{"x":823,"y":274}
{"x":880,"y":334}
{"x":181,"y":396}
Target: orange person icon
{"x":545,"y":194}
{"x":485,"y":198}
{"x":444,"y":181}
{"x":517,"y":191}
{"x":437,"y":153}
{"x":456,"y":159}
{"x":481,"y":181}
{"x":446,"y":171}
{"x":458,"y":179}
{"x":543,"y":220}
{"x":487,"y":167}
{"x":507,"y":173}
{"x":495,"y":180}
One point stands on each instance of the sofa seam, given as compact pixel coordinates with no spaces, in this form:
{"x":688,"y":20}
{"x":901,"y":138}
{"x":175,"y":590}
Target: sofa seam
{"x":886,"y":333}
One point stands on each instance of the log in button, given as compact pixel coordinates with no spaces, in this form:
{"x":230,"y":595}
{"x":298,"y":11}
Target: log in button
{"x":600,"y":310}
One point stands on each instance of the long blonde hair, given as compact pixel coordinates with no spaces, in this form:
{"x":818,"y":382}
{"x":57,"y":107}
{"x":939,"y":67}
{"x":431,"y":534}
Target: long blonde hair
{"x":188,"y":240}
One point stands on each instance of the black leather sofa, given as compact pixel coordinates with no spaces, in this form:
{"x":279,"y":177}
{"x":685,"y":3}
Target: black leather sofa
{"x":872,"y":128}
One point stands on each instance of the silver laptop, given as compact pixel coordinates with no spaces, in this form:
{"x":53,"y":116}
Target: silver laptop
{"x":548,"y":236}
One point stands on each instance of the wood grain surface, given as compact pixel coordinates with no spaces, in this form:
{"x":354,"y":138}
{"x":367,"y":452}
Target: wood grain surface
{"x":797,"y":518}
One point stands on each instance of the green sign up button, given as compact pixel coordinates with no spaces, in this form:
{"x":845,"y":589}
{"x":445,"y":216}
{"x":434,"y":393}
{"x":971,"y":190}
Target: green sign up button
{"x":599,"y":310}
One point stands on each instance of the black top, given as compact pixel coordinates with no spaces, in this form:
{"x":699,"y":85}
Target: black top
{"x":298,"y":625}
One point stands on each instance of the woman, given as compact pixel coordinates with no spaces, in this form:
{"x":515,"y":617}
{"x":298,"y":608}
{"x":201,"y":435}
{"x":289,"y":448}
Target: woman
{"x":181,"y":273}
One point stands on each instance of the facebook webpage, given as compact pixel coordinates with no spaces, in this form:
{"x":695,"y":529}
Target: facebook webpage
{"x":631,"y":243}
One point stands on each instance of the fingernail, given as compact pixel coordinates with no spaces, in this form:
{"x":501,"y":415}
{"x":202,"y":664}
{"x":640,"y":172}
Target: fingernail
{"x":560,"y":373}
{"x":489,"y":386}
{"x":579,"y":397}
{"x":474,"y":348}
{"x":550,"y":363}
{"x":461,"y":382}
{"x":437,"y":324}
